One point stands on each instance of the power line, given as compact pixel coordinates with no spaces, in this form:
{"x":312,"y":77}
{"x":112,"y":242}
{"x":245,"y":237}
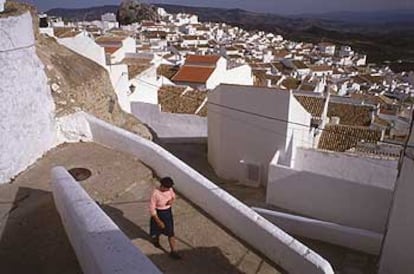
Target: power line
{"x":277,"y":119}
{"x":284,"y":135}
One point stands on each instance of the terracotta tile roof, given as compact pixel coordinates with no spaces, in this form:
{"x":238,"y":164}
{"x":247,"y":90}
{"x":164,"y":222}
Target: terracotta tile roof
{"x":382,"y":122}
{"x":167,"y":71}
{"x":202,"y":59}
{"x":307,"y":87}
{"x":318,"y":68}
{"x":349,"y":114}
{"x":299,"y":64}
{"x":342,"y":137}
{"x":64,"y":32}
{"x":259,"y":78}
{"x":193,"y":74}
{"x":110,"y":39}
{"x":290,"y":83}
{"x":136,"y":66}
{"x":175,"y":100}
{"x":314,"y":105}
{"x":111,"y":50}
{"x":378,"y":150}
{"x":280,"y":54}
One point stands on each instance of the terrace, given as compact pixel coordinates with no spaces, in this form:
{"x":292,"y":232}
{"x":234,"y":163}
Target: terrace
{"x":121,"y":184}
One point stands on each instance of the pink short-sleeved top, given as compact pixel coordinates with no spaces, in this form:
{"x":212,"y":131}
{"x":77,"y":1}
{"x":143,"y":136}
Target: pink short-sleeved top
{"x":159,"y":200}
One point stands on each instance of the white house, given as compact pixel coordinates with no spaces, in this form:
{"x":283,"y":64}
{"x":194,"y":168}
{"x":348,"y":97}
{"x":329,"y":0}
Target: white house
{"x":346,"y":51}
{"x":209,"y":71}
{"x":247,"y":125}
{"x":82,"y":44}
{"x":109,"y":21}
{"x":2,"y":5}
{"x":321,"y":70}
{"x":201,"y":71}
{"x":327,"y":48}
{"x":193,"y":40}
{"x":116,"y":47}
{"x":143,"y":82}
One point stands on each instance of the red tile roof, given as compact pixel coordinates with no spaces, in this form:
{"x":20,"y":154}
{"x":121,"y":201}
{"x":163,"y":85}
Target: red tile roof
{"x":319,"y":68}
{"x":202,"y":59}
{"x":110,"y":39}
{"x":111,"y":50}
{"x":342,"y":137}
{"x":193,"y":74}
{"x":353,"y":115}
{"x":314,"y":105}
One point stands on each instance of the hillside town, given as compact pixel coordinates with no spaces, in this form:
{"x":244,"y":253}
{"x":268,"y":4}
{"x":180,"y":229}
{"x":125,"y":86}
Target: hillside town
{"x":264,"y":138}
{"x":174,"y":62}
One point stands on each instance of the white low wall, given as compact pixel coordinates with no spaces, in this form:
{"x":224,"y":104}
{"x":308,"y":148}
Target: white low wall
{"x":358,"y":239}
{"x":171,"y":127}
{"x":100,"y":246}
{"x":274,"y":243}
{"x":328,"y":198}
{"x":364,"y":170}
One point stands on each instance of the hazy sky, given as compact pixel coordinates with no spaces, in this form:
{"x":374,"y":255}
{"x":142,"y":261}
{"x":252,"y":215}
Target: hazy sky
{"x":272,"y":6}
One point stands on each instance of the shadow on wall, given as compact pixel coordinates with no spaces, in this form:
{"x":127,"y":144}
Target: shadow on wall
{"x":33,"y":239}
{"x":201,"y":260}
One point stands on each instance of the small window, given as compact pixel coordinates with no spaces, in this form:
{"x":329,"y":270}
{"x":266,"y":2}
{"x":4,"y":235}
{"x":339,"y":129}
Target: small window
{"x":253,"y":172}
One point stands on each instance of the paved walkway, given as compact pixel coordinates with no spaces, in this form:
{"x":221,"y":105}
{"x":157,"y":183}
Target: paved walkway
{"x":343,"y":260}
{"x":33,"y":239}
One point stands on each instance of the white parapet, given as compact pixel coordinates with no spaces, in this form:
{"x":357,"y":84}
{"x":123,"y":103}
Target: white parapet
{"x":354,"y":238}
{"x":100,"y":246}
{"x":262,"y":235}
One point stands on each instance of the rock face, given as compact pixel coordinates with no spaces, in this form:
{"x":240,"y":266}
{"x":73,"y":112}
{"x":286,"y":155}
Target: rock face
{"x":131,"y":11}
{"x":80,"y":84}
{"x":27,"y":126}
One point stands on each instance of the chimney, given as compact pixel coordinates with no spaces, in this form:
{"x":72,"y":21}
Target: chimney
{"x":335,"y":120}
{"x":268,"y":83}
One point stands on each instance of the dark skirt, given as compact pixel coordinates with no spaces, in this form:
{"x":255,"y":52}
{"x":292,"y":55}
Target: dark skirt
{"x":167,"y":218}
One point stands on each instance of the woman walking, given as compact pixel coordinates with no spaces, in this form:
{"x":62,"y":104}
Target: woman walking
{"x":162,"y":221}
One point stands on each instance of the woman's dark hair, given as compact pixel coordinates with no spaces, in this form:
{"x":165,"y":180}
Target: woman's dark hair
{"x":167,"y":182}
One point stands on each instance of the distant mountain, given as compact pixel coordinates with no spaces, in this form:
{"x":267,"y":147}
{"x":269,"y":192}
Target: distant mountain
{"x":84,"y":14}
{"x":371,"y":17}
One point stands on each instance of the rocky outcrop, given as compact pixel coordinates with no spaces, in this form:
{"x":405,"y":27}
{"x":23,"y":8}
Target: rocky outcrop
{"x":131,"y":11}
{"x":80,"y":84}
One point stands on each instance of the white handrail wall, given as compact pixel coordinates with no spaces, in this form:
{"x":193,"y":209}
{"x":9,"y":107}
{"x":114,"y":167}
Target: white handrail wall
{"x":100,"y":246}
{"x":273,"y":242}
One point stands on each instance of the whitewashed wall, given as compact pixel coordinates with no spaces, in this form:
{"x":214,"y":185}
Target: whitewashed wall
{"x":120,"y":82}
{"x":241,"y":75}
{"x":100,"y":246}
{"x":27,"y":128}
{"x":235,"y":136}
{"x":217,"y":76}
{"x":299,"y":132}
{"x":398,"y":248}
{"x":278,"y":246}
{"x":329,"y":199}
{"x":357,"y":239}
{"x":370,"y":171}
{"x":146,"y":87}
{"x":85,"y":46}
{"x":171,"y":127}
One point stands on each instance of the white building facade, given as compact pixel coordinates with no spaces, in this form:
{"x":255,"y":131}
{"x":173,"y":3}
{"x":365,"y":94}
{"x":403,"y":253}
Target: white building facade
{"x":253,"y":123}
